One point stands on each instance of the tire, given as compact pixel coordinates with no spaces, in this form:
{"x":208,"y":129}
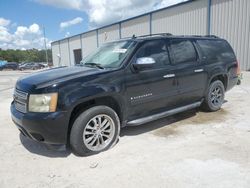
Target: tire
{"x":84,"y":133}
{"x":214,"y":97}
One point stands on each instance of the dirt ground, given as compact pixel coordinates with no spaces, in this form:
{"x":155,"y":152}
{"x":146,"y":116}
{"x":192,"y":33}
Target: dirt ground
{"x":191,"y":149}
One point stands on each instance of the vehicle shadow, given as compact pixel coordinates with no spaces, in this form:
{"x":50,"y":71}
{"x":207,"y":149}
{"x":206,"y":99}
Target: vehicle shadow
{"x":167,"y":121}
{"x":43,"y":149}
{"x":55,"y":152}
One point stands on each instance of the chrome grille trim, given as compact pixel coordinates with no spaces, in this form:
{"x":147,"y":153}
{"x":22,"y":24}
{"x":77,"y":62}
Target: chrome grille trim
{"x":21,"y":107}
{"x":21,"y":94}
{"x":20,"y":100}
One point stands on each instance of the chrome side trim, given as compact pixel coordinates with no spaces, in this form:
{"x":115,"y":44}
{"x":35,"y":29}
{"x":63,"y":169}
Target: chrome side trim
{"x":198,"y":70}
{"x":169,"y":76}
{"x":163,"y":114}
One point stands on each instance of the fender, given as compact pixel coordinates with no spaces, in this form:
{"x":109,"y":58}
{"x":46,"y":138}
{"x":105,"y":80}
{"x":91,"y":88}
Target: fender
{"x":81,"y":90}
{"x":218,"y":71}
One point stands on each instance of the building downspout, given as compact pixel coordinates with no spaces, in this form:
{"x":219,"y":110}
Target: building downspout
{"x":59,"y":57}
{"x":209,"y":4}
{"x":97,"y":40}
{"x":120,"y":30}
{"x":81,"y":46}
{"x":69,"y":53}
{"x":150,"y":23}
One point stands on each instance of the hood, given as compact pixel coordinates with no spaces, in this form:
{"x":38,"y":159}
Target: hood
{"x":53,"y":76}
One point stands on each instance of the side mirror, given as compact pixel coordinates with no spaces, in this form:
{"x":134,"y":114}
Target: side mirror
{"x":143,"y":63}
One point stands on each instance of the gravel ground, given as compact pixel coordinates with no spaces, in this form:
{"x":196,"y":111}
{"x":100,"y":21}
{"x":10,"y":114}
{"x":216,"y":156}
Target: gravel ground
{"x":191,"y":149}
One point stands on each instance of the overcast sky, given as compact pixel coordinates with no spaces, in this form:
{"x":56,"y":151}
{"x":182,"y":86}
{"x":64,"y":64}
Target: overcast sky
{"x":21,"y":21}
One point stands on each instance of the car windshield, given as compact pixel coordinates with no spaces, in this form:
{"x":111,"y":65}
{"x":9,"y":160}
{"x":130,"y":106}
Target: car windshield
{"x":109,"y":55}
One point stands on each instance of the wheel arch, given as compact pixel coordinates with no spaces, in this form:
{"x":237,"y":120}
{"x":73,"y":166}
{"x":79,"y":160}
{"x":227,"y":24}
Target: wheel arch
{"x":218,"y":75}
{"x":222,"y":77}
{"x":110,"y":101}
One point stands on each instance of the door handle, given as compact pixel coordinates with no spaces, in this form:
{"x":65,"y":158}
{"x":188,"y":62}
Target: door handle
{"x":198,"y":70}
{"x":169,"y":76}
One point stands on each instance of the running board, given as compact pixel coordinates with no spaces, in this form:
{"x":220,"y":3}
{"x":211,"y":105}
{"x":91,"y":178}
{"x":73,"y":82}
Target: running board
{"x":163,"y":114}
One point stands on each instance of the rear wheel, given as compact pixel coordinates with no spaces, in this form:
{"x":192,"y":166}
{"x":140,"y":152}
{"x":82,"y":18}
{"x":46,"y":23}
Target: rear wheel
{"x":94,"y":131}
{"x":215,"y":96}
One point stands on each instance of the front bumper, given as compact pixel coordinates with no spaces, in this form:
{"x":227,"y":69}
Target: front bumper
{"x":50,"y":128}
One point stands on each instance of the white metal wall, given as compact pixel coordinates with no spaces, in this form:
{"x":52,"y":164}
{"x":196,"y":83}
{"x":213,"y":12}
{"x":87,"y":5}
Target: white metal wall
{"x":137,"y":26}
{"x":230,"y":19}
{"x":65,"y":59}
{"x":74,"y":43}
{"x":108,"y":34}
{"x":89,"y":43}
{"x":188,"y":19}
{"x":56,"y":53}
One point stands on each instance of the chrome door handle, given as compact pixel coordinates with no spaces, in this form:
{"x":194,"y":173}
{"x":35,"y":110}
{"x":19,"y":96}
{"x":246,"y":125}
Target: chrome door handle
{"x":169,"y":76}
{"x":198,"y":70}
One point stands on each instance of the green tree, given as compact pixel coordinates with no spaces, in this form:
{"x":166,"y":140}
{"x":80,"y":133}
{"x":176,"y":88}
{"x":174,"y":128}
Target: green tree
{"x":31,"y":55}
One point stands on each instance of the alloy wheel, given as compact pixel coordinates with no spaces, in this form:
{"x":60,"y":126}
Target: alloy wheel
{"x":99,"y":132}
{"x":217,"y":96}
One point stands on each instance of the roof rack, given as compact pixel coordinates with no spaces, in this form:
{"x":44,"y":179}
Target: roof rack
{"x":212,"y":36}
{"x":168,"y":34}
{"x":151,"y":35}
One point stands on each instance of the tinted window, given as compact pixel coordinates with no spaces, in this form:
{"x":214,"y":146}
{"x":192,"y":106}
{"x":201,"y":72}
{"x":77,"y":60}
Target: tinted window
{"x":218,"y":50}
{"x":157,"y":50}
{"x":183,"y":51}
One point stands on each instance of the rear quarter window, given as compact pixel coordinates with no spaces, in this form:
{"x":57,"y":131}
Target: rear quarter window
{"x":216,"y":50}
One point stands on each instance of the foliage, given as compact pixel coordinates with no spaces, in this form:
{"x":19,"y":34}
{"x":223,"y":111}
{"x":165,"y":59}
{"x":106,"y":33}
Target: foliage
{"x":31,"y":55}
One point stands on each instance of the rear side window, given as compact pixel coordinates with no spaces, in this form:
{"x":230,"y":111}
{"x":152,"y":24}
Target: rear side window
{"x":216,"y":50}
{"x":156,"y":49}
{"x":183,"y":51}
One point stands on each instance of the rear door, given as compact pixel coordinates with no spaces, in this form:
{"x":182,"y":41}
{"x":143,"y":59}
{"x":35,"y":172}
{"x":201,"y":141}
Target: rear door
{"x":220,"y":59}
{"x":189,"y":70}
{"x":153,"y":89}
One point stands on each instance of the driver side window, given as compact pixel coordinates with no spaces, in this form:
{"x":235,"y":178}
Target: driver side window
{"x":156,"y":49}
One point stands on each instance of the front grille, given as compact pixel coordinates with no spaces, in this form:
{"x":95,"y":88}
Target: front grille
{"x":20,"y":100}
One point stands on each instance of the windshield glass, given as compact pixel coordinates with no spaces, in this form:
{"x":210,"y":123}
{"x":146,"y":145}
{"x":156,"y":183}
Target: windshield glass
{"x":109,"y":55}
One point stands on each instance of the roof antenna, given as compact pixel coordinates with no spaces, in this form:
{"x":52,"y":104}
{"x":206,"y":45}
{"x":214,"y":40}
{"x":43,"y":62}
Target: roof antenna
{"x":133,"y":37}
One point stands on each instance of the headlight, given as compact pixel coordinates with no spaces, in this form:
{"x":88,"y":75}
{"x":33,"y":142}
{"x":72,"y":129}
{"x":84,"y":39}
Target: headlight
{"x":43,"y":102}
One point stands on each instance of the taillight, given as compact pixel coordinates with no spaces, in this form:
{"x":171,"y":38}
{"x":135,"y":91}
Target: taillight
{"x":238,"y":68}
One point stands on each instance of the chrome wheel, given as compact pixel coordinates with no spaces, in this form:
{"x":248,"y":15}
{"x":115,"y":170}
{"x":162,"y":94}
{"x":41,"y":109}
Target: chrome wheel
{"x":99,"y":132}
{"x":217,"y":96}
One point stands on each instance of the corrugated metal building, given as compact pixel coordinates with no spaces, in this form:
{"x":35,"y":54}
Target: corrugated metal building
{"x":229,"y":19}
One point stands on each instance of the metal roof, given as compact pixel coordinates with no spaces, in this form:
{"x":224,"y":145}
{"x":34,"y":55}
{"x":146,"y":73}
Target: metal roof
{"x":120,"y":22}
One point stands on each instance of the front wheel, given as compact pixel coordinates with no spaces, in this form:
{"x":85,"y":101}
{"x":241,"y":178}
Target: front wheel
{"x":214,"y":97}
{"x":94,"y":131}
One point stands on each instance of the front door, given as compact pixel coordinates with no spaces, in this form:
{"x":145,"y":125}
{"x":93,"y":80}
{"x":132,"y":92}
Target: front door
{"x":151,"y":90}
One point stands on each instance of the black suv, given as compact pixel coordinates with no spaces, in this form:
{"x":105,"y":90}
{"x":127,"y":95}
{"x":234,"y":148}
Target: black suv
{"x":123,"y":83}
{"x":10,"y":65}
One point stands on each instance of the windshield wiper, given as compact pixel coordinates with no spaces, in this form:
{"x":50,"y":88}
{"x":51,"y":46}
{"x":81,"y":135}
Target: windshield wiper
{"x":94,"y":64}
